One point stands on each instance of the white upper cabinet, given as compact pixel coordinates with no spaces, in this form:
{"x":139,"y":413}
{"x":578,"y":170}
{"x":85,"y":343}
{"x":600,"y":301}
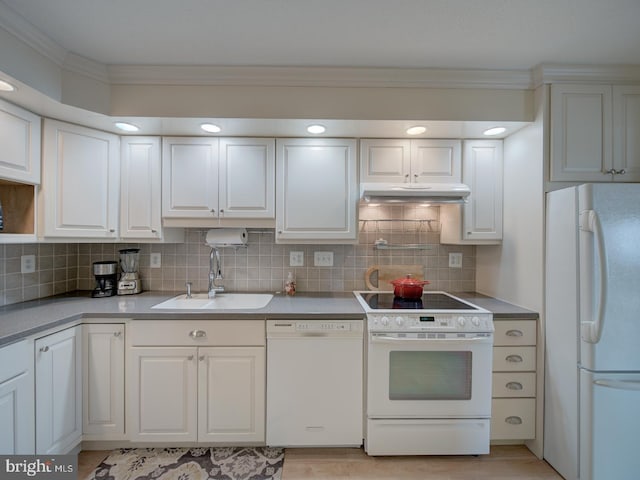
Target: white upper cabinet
{"x":140,"y":187}
{"x":626,"y":132}
{"x":190,"y":177}
{"x":317,"y":193}
{"x":410,"y":161}
{"x":19,"y":144}
{"x":211,"y":178}
{"x":247,"y":178}
{"x":594,"y":133}
{"x":479,"y":221}
{"x":81,"y":182}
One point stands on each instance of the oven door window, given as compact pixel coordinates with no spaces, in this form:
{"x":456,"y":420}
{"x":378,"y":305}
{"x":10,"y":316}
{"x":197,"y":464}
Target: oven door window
{"x":430,"y":375}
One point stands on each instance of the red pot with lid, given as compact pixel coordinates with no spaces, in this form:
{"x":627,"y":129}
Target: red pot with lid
{"x":408,"y":287}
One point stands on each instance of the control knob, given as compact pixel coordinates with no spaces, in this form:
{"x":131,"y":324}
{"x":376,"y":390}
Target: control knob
{"x":399,"y":321}
{"x":384,"y":321}
{"x":461,"y":321}
{"x":475,"y":321}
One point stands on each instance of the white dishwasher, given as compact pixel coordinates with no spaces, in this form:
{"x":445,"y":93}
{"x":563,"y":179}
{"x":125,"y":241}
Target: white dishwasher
{"x":314,"y":382}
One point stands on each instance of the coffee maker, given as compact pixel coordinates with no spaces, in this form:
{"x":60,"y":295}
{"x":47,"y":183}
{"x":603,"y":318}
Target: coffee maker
{"x":106,"y":274}
{"x":129,"y":283}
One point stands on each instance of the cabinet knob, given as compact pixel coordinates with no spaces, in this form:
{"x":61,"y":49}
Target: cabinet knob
{"x":513,"y":420}
{"x":213,"y":211}
{"x":201,"y":358}
{"x":514,"y":359}
{"x":117,"y":334}
{"x":112,"y":230}
{"x":514,"y":386}
{"x":190,"y":357}
{"x":221,"y":211}
{"x":44,"y":349}
{"x":154,"y":230}
{"x":620,"y":172}
{"x":198,"y":334}
{"x":514,"y":333}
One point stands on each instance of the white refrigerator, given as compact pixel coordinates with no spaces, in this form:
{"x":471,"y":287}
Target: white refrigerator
{"x":592,"y":318}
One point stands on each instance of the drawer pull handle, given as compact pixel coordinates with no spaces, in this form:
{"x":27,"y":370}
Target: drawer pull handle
{"x":514,"y":358}
{"x":514,"y":333}
{"x":514,"y":386}
{"x":198,"y":334}
{"x":513,"y":420}
{"x":44,"y":349}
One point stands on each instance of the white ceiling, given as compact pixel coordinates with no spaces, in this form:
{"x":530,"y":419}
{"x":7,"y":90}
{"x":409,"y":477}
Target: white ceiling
{"x":469,"y":34}
{"x":448,"y":34}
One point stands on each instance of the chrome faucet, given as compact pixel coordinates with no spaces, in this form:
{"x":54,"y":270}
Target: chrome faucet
{"x":215,"y":272}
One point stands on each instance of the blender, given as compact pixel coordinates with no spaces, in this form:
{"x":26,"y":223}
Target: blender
{"x":129,"y":279}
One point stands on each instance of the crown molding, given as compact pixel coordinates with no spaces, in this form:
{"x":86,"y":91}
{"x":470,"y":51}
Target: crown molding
{"x":30,"y":35}
{"x":84,"y":66}
{"x":318,"y":76}
{"x":554,"y":73}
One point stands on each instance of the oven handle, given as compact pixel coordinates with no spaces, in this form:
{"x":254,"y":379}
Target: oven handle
{"x":390,"y":339}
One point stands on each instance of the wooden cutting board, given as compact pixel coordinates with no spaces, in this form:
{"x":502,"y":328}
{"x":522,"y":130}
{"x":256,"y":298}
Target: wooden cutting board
{"x":386,"y":273}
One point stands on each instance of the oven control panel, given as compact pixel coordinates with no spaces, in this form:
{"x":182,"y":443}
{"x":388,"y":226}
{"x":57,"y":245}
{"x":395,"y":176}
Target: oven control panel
{"x":430,"y":322}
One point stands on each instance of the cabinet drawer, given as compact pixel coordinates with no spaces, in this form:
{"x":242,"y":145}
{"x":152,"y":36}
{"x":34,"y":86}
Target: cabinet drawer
{"x":513,"y":418}
{"x":514,"y":384}
{"x":197,"y":332}
{"x":15,"y":359}
{"x":514,"y":359}
{"x":514,"y":332}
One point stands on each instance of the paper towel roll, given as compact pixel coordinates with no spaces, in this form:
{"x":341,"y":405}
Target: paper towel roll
{"x":227,"y":237}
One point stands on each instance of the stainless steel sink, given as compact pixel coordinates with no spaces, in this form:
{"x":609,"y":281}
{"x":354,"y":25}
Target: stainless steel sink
{"x":222,"y":301}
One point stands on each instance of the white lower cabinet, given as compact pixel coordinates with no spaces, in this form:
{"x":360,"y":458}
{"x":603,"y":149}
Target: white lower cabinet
{"x":58,"y":391}
{"x":513,"y":407}
{"x":207,"y":385}
{"x":17,"y":399}
{"x":103,"y":381}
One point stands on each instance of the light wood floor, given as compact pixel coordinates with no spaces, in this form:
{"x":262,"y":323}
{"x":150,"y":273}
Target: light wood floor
{"x":504,"y":463}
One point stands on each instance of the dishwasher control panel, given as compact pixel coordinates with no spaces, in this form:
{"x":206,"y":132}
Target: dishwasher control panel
{"x":311,"y":327}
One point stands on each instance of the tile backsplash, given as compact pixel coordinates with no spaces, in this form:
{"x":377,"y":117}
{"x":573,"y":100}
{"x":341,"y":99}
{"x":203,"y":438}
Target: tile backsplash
{"x":261,"y":266}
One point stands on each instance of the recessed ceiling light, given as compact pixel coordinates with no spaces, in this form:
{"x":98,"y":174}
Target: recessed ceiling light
{"x":494,"y":131}
{"x":127,"y":127}
{"x":417,"y":130}
{"x":316,"y":129}
{"x":6,"y":86}
{"x":210,"y":128}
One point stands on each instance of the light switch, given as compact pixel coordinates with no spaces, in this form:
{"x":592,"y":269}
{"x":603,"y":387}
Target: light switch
{"x":296,"y":259}
{"x":27,"y":263}
{"x":455,"y":260}
{"x":155,"y":260}
{"x":323,"y":259}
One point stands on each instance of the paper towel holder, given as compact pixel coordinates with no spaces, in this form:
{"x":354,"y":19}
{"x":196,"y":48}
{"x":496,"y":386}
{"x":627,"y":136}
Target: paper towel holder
{"x":227,"y":237}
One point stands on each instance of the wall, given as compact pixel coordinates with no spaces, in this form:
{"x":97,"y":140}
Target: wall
{"x":262,"y":266}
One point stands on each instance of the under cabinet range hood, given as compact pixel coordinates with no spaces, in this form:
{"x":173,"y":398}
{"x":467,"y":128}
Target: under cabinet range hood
{"x":432,"y":193}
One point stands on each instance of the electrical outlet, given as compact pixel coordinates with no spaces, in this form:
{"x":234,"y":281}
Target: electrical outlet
{"x":155,"y":260}
{"x":323,"y":259}
{"x":27,"y":263}
{"x":455,"y":260}
{"x":296,"y":259}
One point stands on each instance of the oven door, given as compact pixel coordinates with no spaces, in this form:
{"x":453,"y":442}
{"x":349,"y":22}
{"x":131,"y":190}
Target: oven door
{"x":413,"y":375}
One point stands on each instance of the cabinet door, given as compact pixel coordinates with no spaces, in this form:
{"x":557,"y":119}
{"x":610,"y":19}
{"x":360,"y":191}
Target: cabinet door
{"x":103,"y":381}
{"x":81,"y":182}
{"x":247,"y":178}
{"x":231,"y":394}
{"x":482,"y":171}
{"x":20,"y":140}
{"x":190,"y":177}
{"x":162,"y":400}
{"x":581,"y":133}
{"x":17,"y":414}
{"x":140,"y":188}
{"x":385,"y":160}
{"x":626,"y":133}
{"x":317,"y":191}
{"x":58,"y":391}
{"x":436,"y":161}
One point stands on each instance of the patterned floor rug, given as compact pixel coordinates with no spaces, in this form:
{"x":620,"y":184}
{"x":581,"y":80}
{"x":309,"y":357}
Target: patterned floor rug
{"x":235,"y":463}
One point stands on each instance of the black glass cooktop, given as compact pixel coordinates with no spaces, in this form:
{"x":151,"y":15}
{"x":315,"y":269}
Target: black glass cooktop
{"x":429,"y":301}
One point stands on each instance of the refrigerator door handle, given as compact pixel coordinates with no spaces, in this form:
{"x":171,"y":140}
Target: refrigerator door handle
{"x":619,"y":384}
{"x":589,"y":222}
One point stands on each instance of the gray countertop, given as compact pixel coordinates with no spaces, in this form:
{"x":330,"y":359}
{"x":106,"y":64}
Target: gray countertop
{"x":28,"y":318}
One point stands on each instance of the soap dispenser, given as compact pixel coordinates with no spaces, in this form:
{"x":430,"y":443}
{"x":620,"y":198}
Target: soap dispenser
{"x":290,"y":284}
